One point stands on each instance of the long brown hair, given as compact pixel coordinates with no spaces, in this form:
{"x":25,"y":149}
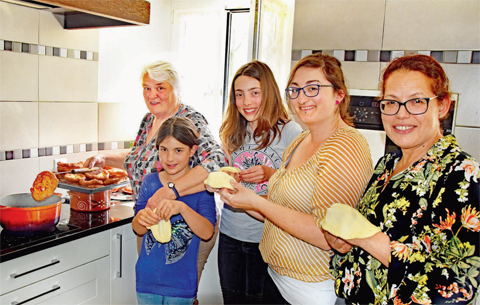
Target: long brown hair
{"x":332,"y":69}
{"x":272,"y":112}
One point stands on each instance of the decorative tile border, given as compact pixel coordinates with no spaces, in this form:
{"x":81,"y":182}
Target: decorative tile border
{"x":447,"y":57}
{"x":21,"y":47}
{"x":61,"y":150}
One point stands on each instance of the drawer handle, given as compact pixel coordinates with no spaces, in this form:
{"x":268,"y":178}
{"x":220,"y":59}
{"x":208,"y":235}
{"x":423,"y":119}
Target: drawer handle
{"x":54,"y":262}
{"x":119,"y":273}
{"x":54,"y":288}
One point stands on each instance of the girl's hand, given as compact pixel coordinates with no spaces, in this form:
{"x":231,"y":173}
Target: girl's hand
{"x":257,"y":174}
{"x":147,"y":217}
{"x":167,"y":208}
{"x":161,"y":194}
{"x":241,"y":197}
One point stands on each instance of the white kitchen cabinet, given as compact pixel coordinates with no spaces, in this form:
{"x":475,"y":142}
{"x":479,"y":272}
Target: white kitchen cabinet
{"x":123,"y":257}
{"x":76,"y":272}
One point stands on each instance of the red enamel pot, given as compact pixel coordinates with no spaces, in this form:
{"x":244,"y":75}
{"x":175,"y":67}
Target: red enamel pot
{"x":21,"y":213}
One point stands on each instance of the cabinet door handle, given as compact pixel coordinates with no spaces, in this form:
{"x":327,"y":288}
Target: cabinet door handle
{"x":54,"y":262}
{"x":54,"y":288}
{"x":119,"y":273}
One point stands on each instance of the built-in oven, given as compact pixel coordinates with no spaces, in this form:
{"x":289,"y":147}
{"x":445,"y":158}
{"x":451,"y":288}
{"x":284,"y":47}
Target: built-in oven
{"x":367,"y":119}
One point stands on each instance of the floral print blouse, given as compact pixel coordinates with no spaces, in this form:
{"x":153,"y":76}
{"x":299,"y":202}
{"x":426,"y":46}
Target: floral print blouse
{"x":143,"y":158}
{"x":431,"y":214}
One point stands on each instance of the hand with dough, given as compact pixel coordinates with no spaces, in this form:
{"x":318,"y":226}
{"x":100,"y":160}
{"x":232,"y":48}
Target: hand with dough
{"x":344,"y":226}
{"x":218,"y":180}
{"x":346,"y":222}
{"x":162,"y":231}
{"x":257,"y":174}
{"x":144,"y":218}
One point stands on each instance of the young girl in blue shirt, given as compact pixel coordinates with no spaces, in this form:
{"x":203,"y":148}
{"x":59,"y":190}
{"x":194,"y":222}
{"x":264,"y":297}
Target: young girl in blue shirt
{"x":166,"y":273}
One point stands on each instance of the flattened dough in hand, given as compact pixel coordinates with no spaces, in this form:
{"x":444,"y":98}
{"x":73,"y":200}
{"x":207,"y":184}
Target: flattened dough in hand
{"x":162,"y":231}
{"x":230,"y":169}
{"x":346,"y":222}
{"x":219,"y":180}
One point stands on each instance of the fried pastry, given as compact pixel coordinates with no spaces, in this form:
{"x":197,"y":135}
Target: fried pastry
{"x":116,"y":172}
{"x":99,"y":174}
{"x":66,"y":167}
{"x":74,"y":177}
{"x":44,"y":185}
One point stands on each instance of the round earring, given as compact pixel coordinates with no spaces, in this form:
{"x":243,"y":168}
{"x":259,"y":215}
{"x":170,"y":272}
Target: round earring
{"x":337,"y":102}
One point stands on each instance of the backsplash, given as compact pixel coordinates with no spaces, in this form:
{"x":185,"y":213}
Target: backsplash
{"x":49,"y":107}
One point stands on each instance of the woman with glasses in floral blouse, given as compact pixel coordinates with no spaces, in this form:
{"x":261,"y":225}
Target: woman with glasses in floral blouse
{"x":424,"y":198}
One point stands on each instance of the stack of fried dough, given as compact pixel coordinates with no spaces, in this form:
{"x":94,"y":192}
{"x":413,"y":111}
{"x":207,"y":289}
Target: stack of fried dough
{"x":102,"y":177}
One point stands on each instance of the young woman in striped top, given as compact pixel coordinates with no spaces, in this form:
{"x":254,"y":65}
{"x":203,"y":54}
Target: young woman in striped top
{"x":326,"y":164}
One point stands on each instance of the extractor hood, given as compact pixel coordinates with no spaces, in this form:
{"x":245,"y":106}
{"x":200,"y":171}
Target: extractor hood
{"x":82,"y":14}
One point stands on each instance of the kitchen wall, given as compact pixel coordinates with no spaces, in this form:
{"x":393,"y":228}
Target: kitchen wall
{"x":58,"y":100}
{"x":48,"y":95}
{"x":367,"y":34}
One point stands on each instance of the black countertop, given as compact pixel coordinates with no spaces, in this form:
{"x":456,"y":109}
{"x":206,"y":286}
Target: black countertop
{"x":72,"y":225}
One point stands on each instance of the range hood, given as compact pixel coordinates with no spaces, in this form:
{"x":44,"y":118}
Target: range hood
{"x":82,"y":14}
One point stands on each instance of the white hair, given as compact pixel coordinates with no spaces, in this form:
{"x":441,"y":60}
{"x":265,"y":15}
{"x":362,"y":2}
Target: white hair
{"x":163,"y":71}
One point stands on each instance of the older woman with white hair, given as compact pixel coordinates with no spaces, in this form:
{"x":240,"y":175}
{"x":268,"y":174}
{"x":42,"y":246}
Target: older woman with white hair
{"x":161,"y":91}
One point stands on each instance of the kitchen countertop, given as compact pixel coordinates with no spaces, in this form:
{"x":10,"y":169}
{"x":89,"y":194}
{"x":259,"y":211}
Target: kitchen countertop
{"x":71,"y":226}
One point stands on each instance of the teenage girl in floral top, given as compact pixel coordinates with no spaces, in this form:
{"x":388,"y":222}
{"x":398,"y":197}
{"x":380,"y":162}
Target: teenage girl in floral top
{"x":425,"y":199}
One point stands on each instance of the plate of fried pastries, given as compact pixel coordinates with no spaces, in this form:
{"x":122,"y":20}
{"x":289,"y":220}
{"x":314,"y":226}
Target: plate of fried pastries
{"x":106,"y":178}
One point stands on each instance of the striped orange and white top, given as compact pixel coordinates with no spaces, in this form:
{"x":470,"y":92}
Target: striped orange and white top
{"x":337,"y":172}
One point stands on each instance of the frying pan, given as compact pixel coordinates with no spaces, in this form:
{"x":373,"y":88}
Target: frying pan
{"x":21,"y":213}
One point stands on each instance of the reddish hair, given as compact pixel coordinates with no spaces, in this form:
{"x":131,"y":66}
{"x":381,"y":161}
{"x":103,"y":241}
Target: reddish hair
{"x":439,"y":83}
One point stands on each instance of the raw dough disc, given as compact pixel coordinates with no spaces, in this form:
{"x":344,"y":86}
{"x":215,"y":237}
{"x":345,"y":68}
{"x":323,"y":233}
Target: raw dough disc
{"x":162,"y":231}
{"x":346,"y":222}
{"x":230,"y":169}
{"x":219,"y":180}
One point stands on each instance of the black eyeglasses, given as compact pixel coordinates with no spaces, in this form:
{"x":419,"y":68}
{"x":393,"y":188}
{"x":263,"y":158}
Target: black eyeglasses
{"x":308,"y":90}
{"x":414,"y":106}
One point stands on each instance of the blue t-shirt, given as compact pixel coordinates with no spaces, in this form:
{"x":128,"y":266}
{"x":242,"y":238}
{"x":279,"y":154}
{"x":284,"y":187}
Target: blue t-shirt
{"x":170,"y":269}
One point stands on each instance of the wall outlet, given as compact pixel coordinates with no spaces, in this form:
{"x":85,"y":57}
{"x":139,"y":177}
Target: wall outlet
{"x":63,"y":160}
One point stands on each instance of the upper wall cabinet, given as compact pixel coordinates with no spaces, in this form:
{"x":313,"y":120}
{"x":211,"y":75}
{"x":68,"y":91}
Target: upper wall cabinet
{"x":52,"y":34}
{"x":432,"y":25}
{"x":338,"y":24}
{"x":18,"y":23}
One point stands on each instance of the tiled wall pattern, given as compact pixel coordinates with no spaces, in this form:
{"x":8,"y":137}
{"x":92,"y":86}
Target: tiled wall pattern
{"x":448,"y":56}
{"x":449,"y":31}
{"x":49,"y":106}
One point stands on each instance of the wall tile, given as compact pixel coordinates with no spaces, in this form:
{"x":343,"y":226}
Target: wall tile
{"x":18,"y":125}
{"x":418,"y":25}
{"x":17,"y":176}
{"x":112,"y":126}
{"x":51,"y":33}
{"x":338,"y":24}
{"x":18,"y":23}
{"x":361,"y":75}
{"x":465,"y":80}
{"x":67,"y":79}
{"x":18,"y":76}
{"x":67,"y":123}
{"x":469,"y":140}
